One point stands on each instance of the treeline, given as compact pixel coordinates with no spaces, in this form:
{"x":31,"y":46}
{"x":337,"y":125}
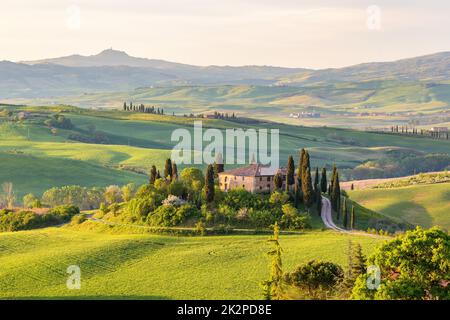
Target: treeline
{"x":25,"y":220}
{"x":142,"y":108}
{"x":419,"y":132}
{"x":400,"y":163}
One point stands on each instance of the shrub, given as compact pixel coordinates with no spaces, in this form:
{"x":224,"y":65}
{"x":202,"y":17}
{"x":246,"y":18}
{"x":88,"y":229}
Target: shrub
{"x":315,"y":279}
{"x":415,"y":265}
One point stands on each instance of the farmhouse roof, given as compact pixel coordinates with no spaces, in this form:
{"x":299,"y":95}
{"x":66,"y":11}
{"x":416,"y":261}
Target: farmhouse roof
{"x":254,"y":170}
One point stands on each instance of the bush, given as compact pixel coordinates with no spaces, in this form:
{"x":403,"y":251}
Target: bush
{"x":26,"y":220}
{"x":415,"y":265}
{"x":78,"y":219}
{"x":170,"y":216}
{"x":315,"y":279}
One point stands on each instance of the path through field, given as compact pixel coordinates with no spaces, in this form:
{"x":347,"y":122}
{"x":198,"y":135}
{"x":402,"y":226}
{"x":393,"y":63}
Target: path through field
{"x":326,"y":216}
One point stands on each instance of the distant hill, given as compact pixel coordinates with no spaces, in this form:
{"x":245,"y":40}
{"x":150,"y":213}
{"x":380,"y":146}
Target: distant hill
{"x":433,"y":67}
{"x":113,"y":70}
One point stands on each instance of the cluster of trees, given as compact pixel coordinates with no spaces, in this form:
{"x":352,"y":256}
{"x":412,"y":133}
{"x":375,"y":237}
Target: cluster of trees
{"x":314,"y":279}
{"x":142,"y":108}
{"x":59,"y":121}
{"x":398,"y":164}
{"x":24,"y":220}
{"x":413,"y":266}
{"x":421,"y":132}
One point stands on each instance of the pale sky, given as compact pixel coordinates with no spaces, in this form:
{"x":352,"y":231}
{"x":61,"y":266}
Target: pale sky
{"x":293,"y":33}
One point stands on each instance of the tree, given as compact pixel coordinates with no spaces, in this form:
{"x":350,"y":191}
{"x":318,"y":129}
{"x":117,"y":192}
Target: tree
{"x":319,"y":203}
{"x":209,"y":183}
{"x":278,"y":181}
{"x":323,"y":181}
{"x":318,"y":279}
{"x":273,"y":287}
{"x":168,"y":169}
{"x":174,"y":171}
{"x":307,"y":188}
{"x":113,"y":194}
{"x":128,"y":191}
{"x":316,"y":180}
{"x":290,"y":172}
{"x":335,"y":192}
{"x":8,"y":196}
{"x":345,"y":213}
{"x":359,"y":262}
{"x":412,"y":266}
{"x":158,"y":175}
{"x":31,"y":201}
{"x":153,"y":174}
{"x":352,"y":219}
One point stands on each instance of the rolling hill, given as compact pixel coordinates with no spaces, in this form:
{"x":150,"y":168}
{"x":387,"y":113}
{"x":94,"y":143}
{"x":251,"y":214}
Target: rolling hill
{"x":140,"y":266}
{"x":423,"y":205}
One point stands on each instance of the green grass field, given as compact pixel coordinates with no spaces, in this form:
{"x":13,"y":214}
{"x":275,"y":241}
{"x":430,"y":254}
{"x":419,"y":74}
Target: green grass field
{"x":424,"y":205}
{"x":140,"y":266}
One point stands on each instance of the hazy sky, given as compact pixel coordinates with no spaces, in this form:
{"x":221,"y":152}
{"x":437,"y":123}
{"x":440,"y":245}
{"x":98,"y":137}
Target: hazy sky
{"x":295,"y":33}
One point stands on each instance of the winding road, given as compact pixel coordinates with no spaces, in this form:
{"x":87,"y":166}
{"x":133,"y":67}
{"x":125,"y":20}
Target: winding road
{"x":326,"y":216}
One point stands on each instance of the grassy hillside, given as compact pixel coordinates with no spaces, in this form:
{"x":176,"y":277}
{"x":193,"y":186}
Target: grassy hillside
{"x":34,"y":263}
{"x":424,"y":205}
{"x":37,"y":174}
{"x":337,"y":102}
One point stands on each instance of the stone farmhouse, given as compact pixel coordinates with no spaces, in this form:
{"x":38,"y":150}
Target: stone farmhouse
{"x":255,"y":178}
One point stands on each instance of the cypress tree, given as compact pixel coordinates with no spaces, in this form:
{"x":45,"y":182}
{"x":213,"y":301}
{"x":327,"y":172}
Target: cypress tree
{"x":209,"y":183}
{"x":323,"y":181}
{"x":316,"y":180}
{"x":153,"y":174}
{"x":352,"y":219}
{"x":168,"y":169}
{"x":319,"y":203}
{"x":307,"y":189}
{"x":220,"y":167}
{"x":290,"y":172}
{"x":158,"y":175}
{"x":174,"y":171}
{"x":278,"y":181}
{"x":345,"y":213}
{"x":359,"y":262}
{"x":298,"y":198}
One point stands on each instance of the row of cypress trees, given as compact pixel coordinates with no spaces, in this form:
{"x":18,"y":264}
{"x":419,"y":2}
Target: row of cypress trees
{"x":170,"y":172}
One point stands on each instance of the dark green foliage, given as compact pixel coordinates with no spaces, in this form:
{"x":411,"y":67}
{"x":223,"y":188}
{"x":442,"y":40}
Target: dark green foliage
{"x":290,"y":172}
{"x":168,"y":169}
{"x":169,"y":215}
{"x":323,"y":181}
{"x":353,"y":218}
{"x":319,"y":203}
{"x":316,"y":181}
{"x":26,"y":220}
{"x":278,"y":181}
{"x":307,"y":188}
{"x":413,"y":266}
{"x":345,"y":214}
{"x":174,"y":175}
{"x":153,"y":174}
{"x":315,"y":279}
{"x":59,"y":121}
{"x":209,"y":184}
